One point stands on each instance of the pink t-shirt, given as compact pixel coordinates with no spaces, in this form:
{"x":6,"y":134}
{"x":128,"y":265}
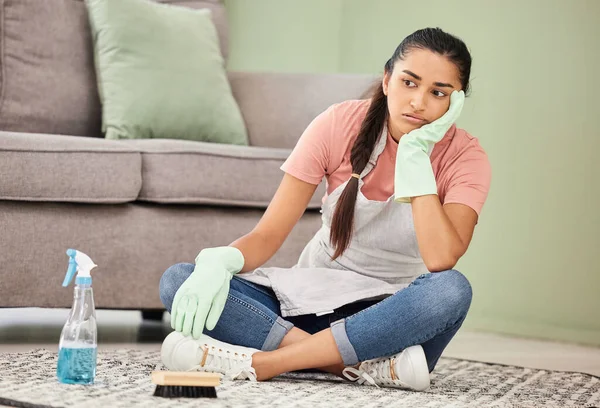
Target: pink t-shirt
{"x":460,"y":165}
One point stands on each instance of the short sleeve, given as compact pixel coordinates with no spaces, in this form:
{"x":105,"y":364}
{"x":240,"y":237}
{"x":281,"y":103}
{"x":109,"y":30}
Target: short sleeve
{"x":309,"y":159}
{"x":469,"y":178}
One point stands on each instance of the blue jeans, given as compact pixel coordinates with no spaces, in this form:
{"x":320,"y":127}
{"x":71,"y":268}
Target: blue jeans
{"x":428,"y":312}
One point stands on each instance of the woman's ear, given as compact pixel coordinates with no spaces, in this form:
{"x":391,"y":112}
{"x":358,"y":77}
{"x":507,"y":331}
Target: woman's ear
{"x":385,"y":81}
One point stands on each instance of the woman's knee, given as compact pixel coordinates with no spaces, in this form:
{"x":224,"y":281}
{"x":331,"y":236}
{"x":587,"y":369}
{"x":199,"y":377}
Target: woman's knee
{"x":171,"y":281}
{"x":454,"y":289}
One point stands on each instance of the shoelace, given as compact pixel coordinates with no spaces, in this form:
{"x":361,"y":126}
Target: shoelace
{"x":226,"y":362}
{"x":374,"y":372}
{"x":361,"y":376}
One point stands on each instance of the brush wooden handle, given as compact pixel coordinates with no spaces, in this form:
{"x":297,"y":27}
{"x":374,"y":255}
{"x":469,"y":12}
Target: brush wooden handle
{"x":186,"y":378}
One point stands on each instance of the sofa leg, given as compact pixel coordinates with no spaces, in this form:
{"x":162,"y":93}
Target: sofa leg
{"x":153,"y":314}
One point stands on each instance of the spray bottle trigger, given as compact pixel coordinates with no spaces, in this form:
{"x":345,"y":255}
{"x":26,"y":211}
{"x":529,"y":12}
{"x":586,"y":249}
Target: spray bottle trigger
{"x":72,"y":267}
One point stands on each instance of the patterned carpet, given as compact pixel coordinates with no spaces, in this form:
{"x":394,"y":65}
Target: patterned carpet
{"x":123,"y":380}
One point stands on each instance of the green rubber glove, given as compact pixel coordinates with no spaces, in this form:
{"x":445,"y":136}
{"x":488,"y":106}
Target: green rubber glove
{"x":201,"y":299}
{"x":414,"y":175}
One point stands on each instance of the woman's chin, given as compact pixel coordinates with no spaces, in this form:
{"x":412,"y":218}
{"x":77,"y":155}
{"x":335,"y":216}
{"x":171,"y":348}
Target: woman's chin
{"x":408,"y":128}
{"x":402,"y":127}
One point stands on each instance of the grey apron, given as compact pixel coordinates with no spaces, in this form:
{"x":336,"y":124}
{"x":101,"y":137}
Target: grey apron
{"x":382,"y":258}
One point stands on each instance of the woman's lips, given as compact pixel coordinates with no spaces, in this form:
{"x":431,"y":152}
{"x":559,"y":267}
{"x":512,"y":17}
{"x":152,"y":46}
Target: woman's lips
{"x":412,"y":119}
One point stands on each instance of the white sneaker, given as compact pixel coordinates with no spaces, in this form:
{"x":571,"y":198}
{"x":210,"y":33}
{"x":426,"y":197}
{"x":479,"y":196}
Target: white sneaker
{"x":407,"y":369}
{"x":184,"y":353}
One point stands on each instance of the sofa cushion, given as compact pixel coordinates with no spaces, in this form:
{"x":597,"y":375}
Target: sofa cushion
{"x":186,"y":172}
{"x":41,"y":167}
{"x":47,"y":78}
{"x":164,"y":76}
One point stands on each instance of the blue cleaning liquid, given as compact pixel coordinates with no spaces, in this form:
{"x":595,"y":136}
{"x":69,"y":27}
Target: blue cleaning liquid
{"x":76,"y":364}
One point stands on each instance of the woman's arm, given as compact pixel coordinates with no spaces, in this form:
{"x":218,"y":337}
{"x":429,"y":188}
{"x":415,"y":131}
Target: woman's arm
{"x":443,"y":233}
{"x":284,"y":211}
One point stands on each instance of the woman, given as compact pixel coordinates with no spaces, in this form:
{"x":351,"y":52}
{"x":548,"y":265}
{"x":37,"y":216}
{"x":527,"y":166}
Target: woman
{"x":373,"y":297}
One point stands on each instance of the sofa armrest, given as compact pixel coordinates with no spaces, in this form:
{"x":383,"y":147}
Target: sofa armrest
{"x":278,"y":107}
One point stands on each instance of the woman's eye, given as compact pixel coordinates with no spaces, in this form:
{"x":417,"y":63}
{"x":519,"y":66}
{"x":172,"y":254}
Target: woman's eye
{"x":411,"y":84}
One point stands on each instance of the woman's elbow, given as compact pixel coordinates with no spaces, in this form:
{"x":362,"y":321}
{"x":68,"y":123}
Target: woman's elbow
{"x":440,"y":264}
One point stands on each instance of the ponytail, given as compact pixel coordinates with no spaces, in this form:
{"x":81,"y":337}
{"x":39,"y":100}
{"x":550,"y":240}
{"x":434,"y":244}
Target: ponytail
{"x":342,"y":224}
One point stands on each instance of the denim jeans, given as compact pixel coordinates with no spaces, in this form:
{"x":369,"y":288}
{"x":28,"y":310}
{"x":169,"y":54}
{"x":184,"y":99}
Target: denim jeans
{"x":428,"y":312}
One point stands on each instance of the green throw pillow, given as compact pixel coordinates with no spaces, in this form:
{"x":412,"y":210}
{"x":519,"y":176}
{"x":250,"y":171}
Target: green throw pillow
{"x":161,"y":73}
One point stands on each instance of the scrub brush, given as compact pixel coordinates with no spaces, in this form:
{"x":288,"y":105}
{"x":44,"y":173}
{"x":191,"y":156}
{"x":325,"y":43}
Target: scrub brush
{"x":184,"y":384}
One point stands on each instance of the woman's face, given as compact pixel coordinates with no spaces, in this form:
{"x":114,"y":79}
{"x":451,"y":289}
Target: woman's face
{"x":418,"y":90}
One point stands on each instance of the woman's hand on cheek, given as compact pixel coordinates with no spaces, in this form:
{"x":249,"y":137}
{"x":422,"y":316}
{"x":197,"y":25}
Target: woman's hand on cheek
{"x":414,"y":175}
{"x":441,"y":125}
{"x":427,"y":135}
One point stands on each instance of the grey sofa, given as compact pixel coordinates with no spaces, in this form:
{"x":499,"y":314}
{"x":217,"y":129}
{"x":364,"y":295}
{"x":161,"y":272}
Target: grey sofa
{"x":135,"y":206}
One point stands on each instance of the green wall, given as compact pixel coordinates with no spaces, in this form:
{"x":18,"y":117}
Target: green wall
{"x":535,"y":109}
{"x":284,"y":35}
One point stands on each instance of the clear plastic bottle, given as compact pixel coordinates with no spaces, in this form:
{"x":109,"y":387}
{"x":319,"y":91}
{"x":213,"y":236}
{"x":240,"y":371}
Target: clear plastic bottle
{"x":77,"y":349}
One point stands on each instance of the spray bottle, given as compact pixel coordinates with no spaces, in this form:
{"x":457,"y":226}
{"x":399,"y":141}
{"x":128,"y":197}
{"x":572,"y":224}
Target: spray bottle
{"x":77,"y":348}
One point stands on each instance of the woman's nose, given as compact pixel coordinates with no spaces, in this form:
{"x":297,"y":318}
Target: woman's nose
{"x":417,"y":103}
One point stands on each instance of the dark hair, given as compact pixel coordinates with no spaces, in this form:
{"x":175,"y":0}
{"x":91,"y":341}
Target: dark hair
{"x":432,"y":39}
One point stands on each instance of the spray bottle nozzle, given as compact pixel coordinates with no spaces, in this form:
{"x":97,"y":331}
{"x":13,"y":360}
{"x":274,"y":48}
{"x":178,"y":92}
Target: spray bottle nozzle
{"x":80,"y":263}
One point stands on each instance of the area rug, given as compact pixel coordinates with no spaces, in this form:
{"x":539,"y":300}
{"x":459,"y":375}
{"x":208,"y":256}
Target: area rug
{"x":123,"y":380}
